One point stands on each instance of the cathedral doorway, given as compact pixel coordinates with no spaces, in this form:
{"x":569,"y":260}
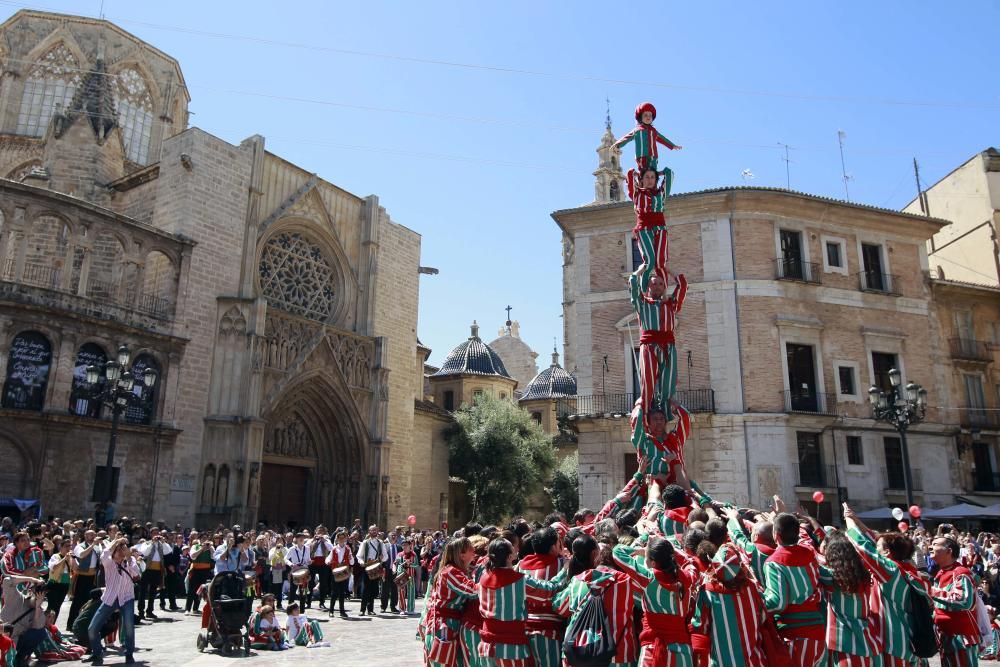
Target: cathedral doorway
{"x":283,"y":491}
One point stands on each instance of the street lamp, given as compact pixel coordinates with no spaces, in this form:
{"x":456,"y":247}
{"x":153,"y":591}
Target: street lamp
{"x":900,"y":407}
{"x":117,"y":392}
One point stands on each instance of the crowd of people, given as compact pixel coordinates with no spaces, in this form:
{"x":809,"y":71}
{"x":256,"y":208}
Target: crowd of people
{"x":680,"y":579}
{"x":102,"y":580}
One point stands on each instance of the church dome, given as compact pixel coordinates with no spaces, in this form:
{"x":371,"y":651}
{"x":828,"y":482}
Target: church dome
{"x":473,"y":357}
{"x":553,"y":382}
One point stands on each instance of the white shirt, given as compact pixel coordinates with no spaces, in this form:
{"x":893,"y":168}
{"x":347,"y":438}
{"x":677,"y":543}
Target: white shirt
{"x":276,"y":557}
{"x":298,"y":556}
{"x":319,"y":545}
{"x":372,"y":549}
{"x":118,"y":584}
{"x":155,"y":551}
{"x":294,"y":626}
{"x":337,"y":556}
{"x":90,"y":561}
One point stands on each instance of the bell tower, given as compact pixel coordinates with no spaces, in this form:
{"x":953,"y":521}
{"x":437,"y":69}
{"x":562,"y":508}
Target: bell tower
{"x":608,"y":179}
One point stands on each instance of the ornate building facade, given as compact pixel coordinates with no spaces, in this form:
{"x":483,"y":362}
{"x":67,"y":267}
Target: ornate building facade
{"x":282,"y":328}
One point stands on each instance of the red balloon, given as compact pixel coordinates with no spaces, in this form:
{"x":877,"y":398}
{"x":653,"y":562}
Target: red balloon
{"x":818,"y":496}
{"x":903,"y":526}
{"x":915,"y":511}
{"x":412,"y":520}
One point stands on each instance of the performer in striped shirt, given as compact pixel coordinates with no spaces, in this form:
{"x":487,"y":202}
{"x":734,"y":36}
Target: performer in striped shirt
{"x":792,"y":594}
{"x":954,"y":594}
{"x":619,"y":596}
{"x":120,"y":574}
{"x":503,"y":594}
{"x":851,"y":637}
{"x":451,"y":591}
{"x":665,"y":451}
{"x":889,"y":561}
{"x":756,"y":549}
{"x":657,"y":353}
{"x":729,"y":609}
{"x":545,"y":627}
{"x":646,"y":137}
{"x":648,"y":194}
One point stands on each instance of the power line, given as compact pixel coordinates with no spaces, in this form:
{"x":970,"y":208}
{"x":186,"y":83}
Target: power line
{"x":535,"y":73}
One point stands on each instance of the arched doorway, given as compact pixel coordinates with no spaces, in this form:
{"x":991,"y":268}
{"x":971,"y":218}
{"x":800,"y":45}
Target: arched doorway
{"x":16,"y":475}
{"x":314,"y":462}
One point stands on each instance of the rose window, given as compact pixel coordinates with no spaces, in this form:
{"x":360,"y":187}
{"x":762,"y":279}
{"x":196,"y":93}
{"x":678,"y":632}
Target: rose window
{"x":295,"y":277}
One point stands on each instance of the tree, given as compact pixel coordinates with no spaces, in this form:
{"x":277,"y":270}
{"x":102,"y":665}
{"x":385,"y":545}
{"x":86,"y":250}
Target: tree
{"x":501,"y":453}
{"x":564,"y":489}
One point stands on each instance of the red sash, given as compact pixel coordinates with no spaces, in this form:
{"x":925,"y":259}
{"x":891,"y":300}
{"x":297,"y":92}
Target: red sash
{"x":659,"y":630}
{"x":656,"y":337}
{"x":448,"y":612}
{"x":649,"y":219}
{"x":504,"y":632}
{"x":318,"y":560}
{"x":471,"y":616}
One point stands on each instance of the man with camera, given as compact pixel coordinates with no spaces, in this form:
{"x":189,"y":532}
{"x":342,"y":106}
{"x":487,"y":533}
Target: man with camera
{"x":120,"y":573}
{"x":232,"y":555}
{"x":24,"y":609}
{"x":153,"y":553}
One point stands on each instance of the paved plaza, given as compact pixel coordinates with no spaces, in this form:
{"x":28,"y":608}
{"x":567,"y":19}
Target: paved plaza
{"x":385,"y":640}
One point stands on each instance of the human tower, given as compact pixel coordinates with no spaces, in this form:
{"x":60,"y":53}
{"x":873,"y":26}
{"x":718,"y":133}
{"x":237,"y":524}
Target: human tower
{"x":649,"y":187}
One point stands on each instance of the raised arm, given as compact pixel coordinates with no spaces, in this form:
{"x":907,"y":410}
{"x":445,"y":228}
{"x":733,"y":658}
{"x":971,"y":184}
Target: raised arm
{"x":626,"y":560}
{"x":774,"y":588}
{"x":680,"y":291}
{"x":627,"y":138}
{"x":660,"y":139}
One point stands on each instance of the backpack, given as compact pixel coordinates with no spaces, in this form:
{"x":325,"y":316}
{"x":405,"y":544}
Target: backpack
{"x":923,"y":638}
{"x":589,"y":641}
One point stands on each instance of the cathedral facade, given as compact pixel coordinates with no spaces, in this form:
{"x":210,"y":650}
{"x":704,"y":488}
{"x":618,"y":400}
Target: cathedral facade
{"x":279,"y":310}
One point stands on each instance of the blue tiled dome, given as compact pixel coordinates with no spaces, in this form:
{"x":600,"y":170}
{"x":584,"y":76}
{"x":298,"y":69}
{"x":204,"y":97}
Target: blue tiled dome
{"x":473,"y":357}
{"x":553,"y":382}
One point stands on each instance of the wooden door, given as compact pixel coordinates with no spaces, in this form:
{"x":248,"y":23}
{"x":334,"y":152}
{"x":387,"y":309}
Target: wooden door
{"x":283,"y":494}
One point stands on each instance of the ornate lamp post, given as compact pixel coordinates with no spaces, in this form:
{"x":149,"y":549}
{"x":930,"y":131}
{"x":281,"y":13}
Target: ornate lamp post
{"x":117,"y":393}
{"x":900,"y":407}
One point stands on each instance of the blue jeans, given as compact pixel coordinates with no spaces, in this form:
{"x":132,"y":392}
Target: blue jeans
{"x":127,"y":629}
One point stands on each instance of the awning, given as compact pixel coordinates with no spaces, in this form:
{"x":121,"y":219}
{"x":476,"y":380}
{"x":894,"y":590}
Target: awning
{"x":962,"y":511}
{"x":880,"y":513}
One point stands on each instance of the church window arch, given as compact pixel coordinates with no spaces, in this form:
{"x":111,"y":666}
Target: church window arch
{"x":295,"y":276}
{"x":89,"y":354}
{"x":208,"y":485}
{"x":28,"y":364}
{"x":143,"y":411}
{"x":134,"y":106}
{"x":50,"y":84}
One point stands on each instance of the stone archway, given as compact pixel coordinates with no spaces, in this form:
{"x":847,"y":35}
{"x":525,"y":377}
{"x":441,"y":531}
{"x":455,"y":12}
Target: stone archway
{"x":314,"y":464}
{"x":16,"y":475}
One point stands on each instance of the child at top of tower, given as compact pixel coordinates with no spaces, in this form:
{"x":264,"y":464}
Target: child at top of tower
{"x":646,"y":137}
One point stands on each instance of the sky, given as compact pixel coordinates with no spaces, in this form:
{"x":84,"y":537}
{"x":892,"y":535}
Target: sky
{"x":473,"y":121}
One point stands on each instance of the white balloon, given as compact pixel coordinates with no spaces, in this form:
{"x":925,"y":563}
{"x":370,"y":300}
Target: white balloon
{"x":897,"y":514}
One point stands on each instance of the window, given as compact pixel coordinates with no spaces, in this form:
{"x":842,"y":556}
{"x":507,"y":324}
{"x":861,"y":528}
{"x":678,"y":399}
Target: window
{"x":50,"y":84}
{"x":801,"y":378}
{"x":975,"y":399}
{"x":537,"y":416}
{"x":874,"y":276}
{"x":449,"y":400}
{"x":895,"y":478}
{"x":27,"y":372}
{"x":135,"y":113}
{"x":882,"y":363}
{"x":986,"y":465}
{"x":791,"y":265}
{"x":631,"y":467}
{"x":846,"y":375}
{"x":477,"y":394}
{"x":101,"y":484}
{"x":503,"y":395}
{"x":143,"y":411}
{"x":89,"y":354}
{"x":636,"y":255}
{"x":810,"y":459}
{"x":833,"y":255}
{"x":855,"y":454}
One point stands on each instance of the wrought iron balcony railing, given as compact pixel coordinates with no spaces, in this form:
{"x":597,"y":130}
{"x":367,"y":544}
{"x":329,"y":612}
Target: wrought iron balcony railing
{"x":874,"y":281}
{"x":968,"y":349}
{"x":620,"y":405}
{"x":803,"y":400}
{"x":789,"y":268}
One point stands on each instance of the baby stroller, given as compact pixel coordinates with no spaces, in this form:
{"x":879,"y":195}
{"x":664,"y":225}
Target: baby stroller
{"x":228,"y":624}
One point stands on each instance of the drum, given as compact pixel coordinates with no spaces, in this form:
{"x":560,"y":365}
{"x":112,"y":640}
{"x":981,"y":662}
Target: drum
{"x":402,"y":578}
{"x":374,"y":570}
{"x":342,"y":573}
{"x":300,"y":576}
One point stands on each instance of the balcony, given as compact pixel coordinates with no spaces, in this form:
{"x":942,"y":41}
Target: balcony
{"x":987,"y":481}
{"x":816,"y":476}
{"x":809,"y":401}
{"x":894,"y":482}
{"x":979,"y":418}
{"x":103,"y":294}
{"x":883,"y":283}
{"x":620,"y":405}
{"x":790,"y":268}
{"x":966,"y":349}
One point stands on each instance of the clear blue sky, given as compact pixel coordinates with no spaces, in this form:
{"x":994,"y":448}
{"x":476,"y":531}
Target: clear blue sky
{"x":475,"y":158}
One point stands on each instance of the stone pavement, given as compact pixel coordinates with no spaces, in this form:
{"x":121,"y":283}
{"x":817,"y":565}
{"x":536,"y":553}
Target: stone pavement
{"x":355,"y":642}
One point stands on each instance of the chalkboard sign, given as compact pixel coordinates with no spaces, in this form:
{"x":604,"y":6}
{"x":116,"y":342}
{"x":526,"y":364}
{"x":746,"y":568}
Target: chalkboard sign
{"x":90,"y":354}
{"x":142,"y":412}
{"x":27,"y":371}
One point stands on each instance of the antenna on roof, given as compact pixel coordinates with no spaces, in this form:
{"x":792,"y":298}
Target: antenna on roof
{"x":841,"y":135}
{"x":788,"y":171}
{"x":925,"y":206}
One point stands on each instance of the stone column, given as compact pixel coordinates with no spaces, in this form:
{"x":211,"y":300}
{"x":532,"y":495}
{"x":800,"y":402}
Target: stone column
{"x":88,"y":255}
{"x":61,"y":379}
{"x":4,"y":349}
